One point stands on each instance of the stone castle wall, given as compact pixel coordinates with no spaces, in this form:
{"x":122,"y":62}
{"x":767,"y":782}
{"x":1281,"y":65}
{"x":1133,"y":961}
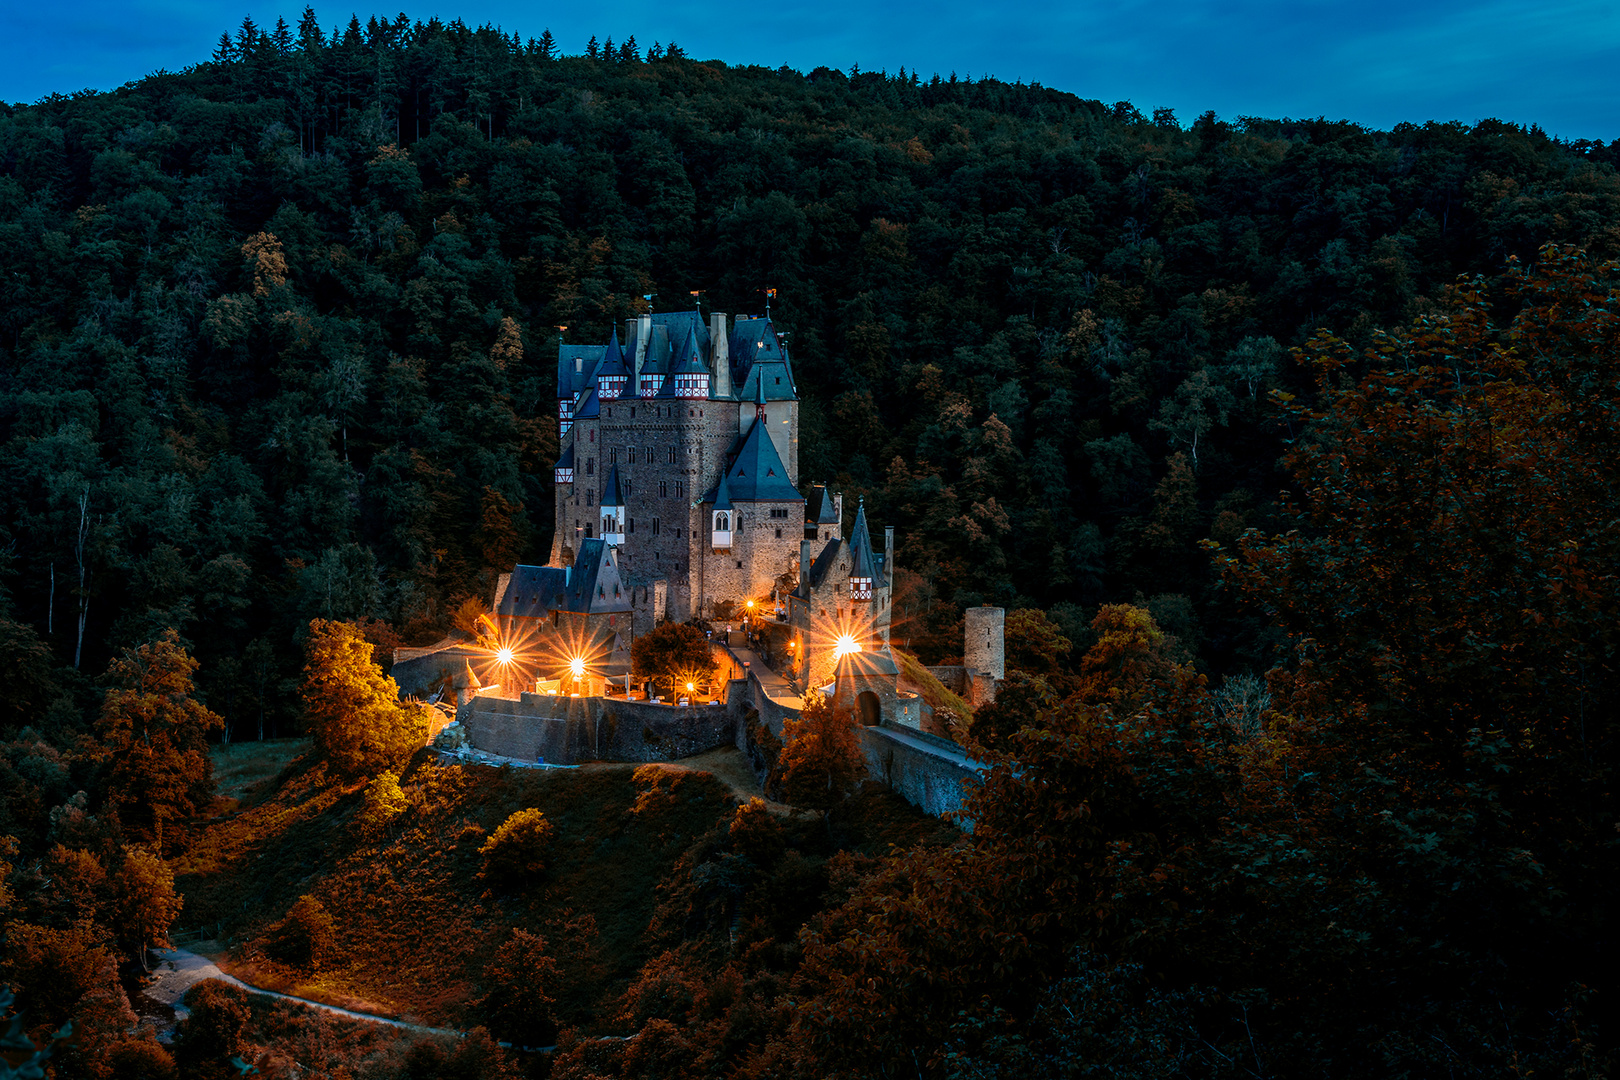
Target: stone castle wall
{"x":570,"y":730}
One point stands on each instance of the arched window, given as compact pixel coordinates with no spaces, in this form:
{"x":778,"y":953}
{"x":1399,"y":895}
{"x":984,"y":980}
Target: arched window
{"x":722,"y":522}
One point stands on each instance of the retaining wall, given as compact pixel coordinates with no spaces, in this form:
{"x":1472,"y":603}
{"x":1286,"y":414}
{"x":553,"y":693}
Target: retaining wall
{"x":566,"y":731}
{"x":928,"y":772}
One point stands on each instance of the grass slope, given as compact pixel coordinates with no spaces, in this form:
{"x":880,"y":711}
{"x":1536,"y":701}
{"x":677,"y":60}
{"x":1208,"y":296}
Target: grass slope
{"x":417,"y":925}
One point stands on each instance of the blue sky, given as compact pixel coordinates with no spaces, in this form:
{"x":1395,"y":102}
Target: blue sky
{"x":1377,"y":62}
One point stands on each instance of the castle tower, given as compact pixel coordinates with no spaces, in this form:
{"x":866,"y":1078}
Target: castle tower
{"x":983,"y":645}
{"x":613,"y":376}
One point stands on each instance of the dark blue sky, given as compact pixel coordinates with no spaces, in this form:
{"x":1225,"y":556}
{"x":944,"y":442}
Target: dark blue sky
{"x":1377,"y":62}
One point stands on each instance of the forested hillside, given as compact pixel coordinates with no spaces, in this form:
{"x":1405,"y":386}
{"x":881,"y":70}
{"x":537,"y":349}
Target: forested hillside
{"x":277,"y":330}
{"x":1302,"y":436}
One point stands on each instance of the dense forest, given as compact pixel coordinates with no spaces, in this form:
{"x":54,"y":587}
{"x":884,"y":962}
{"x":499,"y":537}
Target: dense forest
{"x":1221,"y":399}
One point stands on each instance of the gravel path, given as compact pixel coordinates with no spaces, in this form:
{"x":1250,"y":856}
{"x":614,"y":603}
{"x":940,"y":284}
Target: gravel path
{"x":178,"y":970}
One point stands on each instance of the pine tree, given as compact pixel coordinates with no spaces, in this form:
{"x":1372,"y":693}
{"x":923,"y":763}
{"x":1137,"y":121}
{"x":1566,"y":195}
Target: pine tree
{"x":548,"y":46}
{"x":591,"y":48}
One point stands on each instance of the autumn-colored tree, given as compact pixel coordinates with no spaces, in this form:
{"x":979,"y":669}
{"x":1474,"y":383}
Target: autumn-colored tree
{"x":359,"y":723}
{"x":1035,"y":644}
{"x":1450,"y":589}
{"x":821,"y":756}
{"x":516,"y":853}
{"x":673,"y":654}
{"x":306,"y":937}
{"x":382,"y":803}
{"x":146,"y":904}
{"x":156,"y":736}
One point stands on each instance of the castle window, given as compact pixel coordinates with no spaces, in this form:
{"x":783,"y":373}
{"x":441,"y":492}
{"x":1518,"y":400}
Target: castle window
{"x":587,"y":530}
{"x":590,"y":498}
{"x":663,"y":489}
{"x":672,"y":455}
{"x":590,"y":466}
{"x":779,"y":534}
{"x":779,"y":381}
{"x":680,"y":489}
{"x":593,"y":435}
{"x":649,"y":455}
{"x":739,"y":564}
{"x":613,"y":455}
{"x":631,"y":460}
{"x":632,"y":412}
{"x":579,"y":365}
{"x":632,"y":525}
{"x":655,"y":526}
{"x":722,"y":521}
{"x":610,"y":414}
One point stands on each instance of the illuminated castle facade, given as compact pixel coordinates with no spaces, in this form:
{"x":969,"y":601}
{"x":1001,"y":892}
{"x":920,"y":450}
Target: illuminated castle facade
{"x":680,"y":454}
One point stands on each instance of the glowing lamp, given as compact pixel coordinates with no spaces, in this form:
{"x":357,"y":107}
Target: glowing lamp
{"x":504,"y":656}
{"x":688,"y":688}
{"x":845,"y":645}
{"x":750,"y":603}
{"x":577,"y":666}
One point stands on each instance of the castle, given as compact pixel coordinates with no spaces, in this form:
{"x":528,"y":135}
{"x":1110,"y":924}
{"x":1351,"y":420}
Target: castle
{"x":678,"y":497}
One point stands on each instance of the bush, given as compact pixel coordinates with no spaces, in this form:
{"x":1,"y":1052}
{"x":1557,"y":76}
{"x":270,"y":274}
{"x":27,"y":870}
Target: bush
{"x":139,"y":1059}
{"x":307,"y":937}
{"x":517,"y":851}
{"x":383,"y":802}
{"x":519,"y":983}
{"x":213,"y":1032}
{"x":353,"y":709}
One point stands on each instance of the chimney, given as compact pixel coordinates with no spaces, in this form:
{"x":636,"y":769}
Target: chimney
{"x":888,"y":553}
{"x":643,"y":337}
{"x":838,"y":512}
{"x":720,"y":353}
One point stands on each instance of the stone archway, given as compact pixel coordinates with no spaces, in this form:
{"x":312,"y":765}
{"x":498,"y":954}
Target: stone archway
{"x":871,"y":709}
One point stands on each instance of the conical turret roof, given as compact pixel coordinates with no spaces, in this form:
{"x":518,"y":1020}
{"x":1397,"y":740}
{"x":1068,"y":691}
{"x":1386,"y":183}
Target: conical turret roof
{"x":613,"y":360}
{"x":611,"y":493}
{"x":860,"y":546}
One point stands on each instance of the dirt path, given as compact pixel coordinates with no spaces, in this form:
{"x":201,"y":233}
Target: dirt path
{"x":178,"y":970}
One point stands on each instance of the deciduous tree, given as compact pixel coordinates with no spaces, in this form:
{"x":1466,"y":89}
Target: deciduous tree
{"x":354,"y":711}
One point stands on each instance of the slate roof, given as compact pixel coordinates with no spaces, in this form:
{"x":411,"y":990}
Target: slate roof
{"x":569,"y":382}
{"x":824,"y":562}
{"x":721,"y":497}
{"x":860,"y":546}
{"x":595,"y":585}
{"x":612,"y":494}
{"x":613,"y":358}
{"x":757,"y":474}
{"x":567,"y":459}
{"x":669,"y":327}
{"x":590,"y":407}
{"x":820,"y":508}
{"x":533,"y":592}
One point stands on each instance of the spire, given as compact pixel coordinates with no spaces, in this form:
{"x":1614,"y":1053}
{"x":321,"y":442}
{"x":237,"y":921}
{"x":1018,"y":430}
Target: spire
{"x":759,"y":399}
{"x":863,"y":567}
{"x":612,"y":375}
{"x":611,"y":493}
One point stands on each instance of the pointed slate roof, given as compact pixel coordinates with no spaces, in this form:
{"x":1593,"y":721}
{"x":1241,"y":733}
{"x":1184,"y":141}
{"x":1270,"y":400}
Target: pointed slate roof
{"x":590,"y":407}
{"x":722,"y":496}
{"x":757,"y":474}
{"x":689,"y":360}
{"x":595,"y":585}
{"x":828,"y":513}
{"x":825,"y":561}
{"x":611,"y":493}
{"x":570,"y":382}
{"x":860,"y":546}
{"x":533,"y":592}
{"x":613,"y":359}
{"x":567,"y":459}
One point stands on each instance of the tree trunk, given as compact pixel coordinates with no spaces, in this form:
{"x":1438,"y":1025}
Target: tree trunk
{"x":84,"y":594}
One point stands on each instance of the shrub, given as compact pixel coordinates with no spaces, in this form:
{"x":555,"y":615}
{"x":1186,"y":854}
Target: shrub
{"x":516,"y":853}
{"x":383,"y":802}
{"x":213,"y":1031}
{"x":307,"y":937}
{"x":139,"y":1059}
{"x":519,"y":982}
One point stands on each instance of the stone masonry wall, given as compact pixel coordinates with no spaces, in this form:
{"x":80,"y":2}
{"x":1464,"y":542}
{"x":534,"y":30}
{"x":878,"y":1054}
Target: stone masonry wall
{"x":566,"y":731}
